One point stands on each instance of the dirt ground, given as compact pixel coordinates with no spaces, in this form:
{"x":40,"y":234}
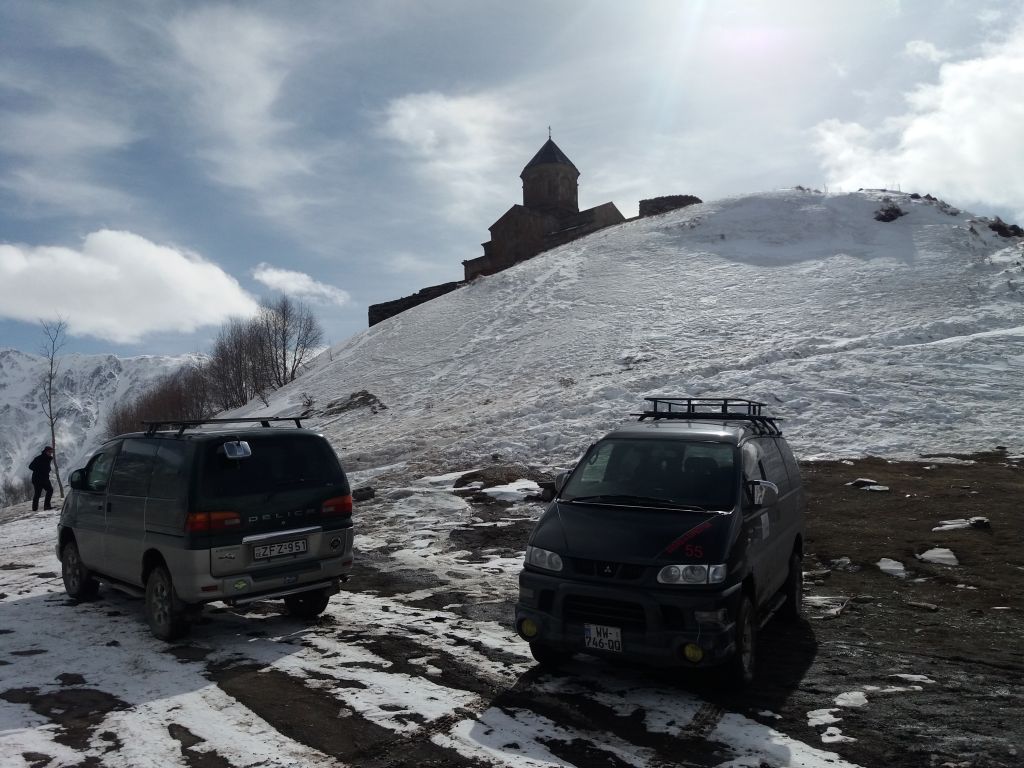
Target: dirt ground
{"x":962,"y":627}
{"x":957,"y":631}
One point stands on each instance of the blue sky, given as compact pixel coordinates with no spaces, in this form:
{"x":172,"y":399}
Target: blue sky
{"x":163,"y":165}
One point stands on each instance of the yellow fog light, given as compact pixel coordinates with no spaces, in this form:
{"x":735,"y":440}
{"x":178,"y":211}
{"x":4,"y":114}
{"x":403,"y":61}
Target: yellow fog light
{"x":528,"y":628}
{"x":693,"y":653}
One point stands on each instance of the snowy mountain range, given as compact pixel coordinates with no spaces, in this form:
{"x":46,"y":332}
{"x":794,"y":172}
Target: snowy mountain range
{"x":894,"y":338}
{"x":86,"y":388}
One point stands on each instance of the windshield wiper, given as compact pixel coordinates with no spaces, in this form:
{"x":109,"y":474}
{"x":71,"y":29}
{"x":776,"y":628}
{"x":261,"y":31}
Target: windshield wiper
{"x":629,"y":499}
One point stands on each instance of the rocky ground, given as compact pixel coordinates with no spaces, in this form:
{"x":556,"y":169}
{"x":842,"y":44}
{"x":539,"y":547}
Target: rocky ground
{"x":919,"y":669}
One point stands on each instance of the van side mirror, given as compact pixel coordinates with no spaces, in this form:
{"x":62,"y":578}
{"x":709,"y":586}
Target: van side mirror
{"x":77,"y":480}
{"x":548,"y":491}
{"x":764,"y":492}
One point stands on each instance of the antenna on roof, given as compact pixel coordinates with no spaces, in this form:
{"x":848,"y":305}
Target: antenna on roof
{"x":549,"y":133}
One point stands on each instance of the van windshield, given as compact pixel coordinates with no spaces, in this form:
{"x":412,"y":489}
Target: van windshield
{"x":277,"y":463}
{"x":656,"y":473}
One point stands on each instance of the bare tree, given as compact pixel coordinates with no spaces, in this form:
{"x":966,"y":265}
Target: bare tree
{"x":291,"y":334}
{"x":183,"y":394}
{"x":54,"y":332}
{"x":239,"y":366}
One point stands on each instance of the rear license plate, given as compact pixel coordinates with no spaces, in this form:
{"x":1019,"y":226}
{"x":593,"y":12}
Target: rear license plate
{"x":263,"y":551}
{"x":602,"y":638}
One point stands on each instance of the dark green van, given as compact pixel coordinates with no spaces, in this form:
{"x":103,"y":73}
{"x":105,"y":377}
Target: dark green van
{"x":189,"y":513}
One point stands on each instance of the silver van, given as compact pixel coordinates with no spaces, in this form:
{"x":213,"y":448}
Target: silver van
{"x":192,"y":512}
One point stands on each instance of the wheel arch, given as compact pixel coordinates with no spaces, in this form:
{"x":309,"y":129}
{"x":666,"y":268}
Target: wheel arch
{"x":66,"y":534}
{"x":150,"y":560}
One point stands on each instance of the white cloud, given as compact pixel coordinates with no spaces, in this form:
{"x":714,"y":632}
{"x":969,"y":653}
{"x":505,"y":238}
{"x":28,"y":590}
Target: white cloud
{"x":960,"y":137}
{"x":922,"y":49}
{"x":235,"y":65}
{"x":60,"y":132}
{"x":118,"y":286}
{"x":54,"y":149}
{"x":68,"y":188}
{"x":460,"y":144}
{"x":300,"y":285}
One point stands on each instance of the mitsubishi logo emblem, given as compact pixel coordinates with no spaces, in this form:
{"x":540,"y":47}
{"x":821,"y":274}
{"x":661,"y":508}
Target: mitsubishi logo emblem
{"x":607,"y":570}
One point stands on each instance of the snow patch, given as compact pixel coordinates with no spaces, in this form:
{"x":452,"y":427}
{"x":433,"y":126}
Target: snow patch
{"x":939,"y":556}
{"x":892,"y":567}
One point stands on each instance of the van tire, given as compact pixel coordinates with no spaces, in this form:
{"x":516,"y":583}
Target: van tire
{"x":164,"y":611}
{"x":792,"y":610}
{"x":78,"y":582}
{"x":307,"y":605}
{"x":741,"y":667}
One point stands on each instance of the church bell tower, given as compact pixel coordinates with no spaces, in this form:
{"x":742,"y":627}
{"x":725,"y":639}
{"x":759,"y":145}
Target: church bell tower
{"x":550,"y":182}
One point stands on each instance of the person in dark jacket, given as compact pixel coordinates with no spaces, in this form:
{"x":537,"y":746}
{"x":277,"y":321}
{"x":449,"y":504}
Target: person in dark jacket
{"x":40,"y":467}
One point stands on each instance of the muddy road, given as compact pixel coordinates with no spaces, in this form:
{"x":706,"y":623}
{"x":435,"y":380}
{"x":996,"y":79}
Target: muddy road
{"x":416,"y":662}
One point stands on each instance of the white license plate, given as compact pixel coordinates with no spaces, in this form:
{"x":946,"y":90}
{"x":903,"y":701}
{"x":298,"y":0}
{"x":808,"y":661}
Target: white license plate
{"x":602,"y":638}
{"x":263,"y":551}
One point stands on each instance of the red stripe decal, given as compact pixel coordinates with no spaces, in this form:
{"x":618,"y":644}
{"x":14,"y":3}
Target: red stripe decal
{"x":690,"y":534}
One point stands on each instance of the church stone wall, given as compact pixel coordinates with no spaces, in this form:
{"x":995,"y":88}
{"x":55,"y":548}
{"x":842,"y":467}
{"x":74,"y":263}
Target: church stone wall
{"x":380,"y":312}
{"x":655,"y":205}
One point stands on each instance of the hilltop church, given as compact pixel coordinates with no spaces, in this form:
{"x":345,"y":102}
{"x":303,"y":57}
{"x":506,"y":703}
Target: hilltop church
{"x":549,"y":216}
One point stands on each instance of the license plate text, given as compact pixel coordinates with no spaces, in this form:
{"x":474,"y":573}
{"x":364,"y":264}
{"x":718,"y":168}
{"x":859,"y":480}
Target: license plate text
{"x":602,"y":638}
{"x":263,"y":551}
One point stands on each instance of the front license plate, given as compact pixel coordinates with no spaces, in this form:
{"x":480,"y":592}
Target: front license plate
{"x":263,"y":551}
{"x":602,"y":638}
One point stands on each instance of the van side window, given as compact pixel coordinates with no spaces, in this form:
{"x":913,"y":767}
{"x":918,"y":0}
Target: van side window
{"x":97,"y":471}
{"x":596,"y":465}
{"x":169,"y":472}
{"x":132,"y":469}
{"x":792,"y":468}
{"x":752,"y":467}
{"x":774,"y":466}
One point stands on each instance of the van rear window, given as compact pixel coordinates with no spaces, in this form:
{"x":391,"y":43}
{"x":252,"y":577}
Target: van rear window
{"x":277,"y":463}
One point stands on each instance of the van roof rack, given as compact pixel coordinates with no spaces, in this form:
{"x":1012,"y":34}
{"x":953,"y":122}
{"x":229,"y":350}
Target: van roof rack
{"x":715,"y":408}
{"x":152,"y":427}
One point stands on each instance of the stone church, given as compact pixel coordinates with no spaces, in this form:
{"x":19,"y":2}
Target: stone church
{"x":550,"y":215}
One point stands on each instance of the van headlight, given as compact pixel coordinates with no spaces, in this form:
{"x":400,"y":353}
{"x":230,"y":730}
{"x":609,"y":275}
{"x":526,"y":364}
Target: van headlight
{"x":543,"y":558}
{"x":692,"y":574}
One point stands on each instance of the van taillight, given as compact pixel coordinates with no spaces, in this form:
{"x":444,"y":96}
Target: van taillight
{"x":199,"y":522}
{"x":339,"y":505}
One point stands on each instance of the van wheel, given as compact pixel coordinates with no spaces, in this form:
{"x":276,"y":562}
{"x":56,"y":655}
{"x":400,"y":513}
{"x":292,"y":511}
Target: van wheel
{"x":307,"y":605}
{"x":78,"y":582}
{"x":164,"y":611}
{"x":740,"y":668}
{"x":793,"y":608}
{"x":547,"y":657}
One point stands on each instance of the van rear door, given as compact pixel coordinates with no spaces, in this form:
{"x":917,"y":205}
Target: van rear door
{"x":289,"y":480}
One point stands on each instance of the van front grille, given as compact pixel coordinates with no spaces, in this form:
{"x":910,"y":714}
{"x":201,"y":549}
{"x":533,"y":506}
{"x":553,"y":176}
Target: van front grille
{"x":607,"y":569}
{"x":595,"y":610}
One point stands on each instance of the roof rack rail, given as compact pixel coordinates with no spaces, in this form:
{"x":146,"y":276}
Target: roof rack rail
{"x":715,"y":408}
{"x":152,"y":427}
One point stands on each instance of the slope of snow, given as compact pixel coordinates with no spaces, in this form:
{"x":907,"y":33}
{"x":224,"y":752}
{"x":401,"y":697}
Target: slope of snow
{"x":894,"y":339}
{"x":87,"y":387}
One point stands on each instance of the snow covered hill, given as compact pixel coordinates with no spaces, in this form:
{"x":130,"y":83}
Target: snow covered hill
{"x":891,"y":338}
{"x":87,"y":386}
